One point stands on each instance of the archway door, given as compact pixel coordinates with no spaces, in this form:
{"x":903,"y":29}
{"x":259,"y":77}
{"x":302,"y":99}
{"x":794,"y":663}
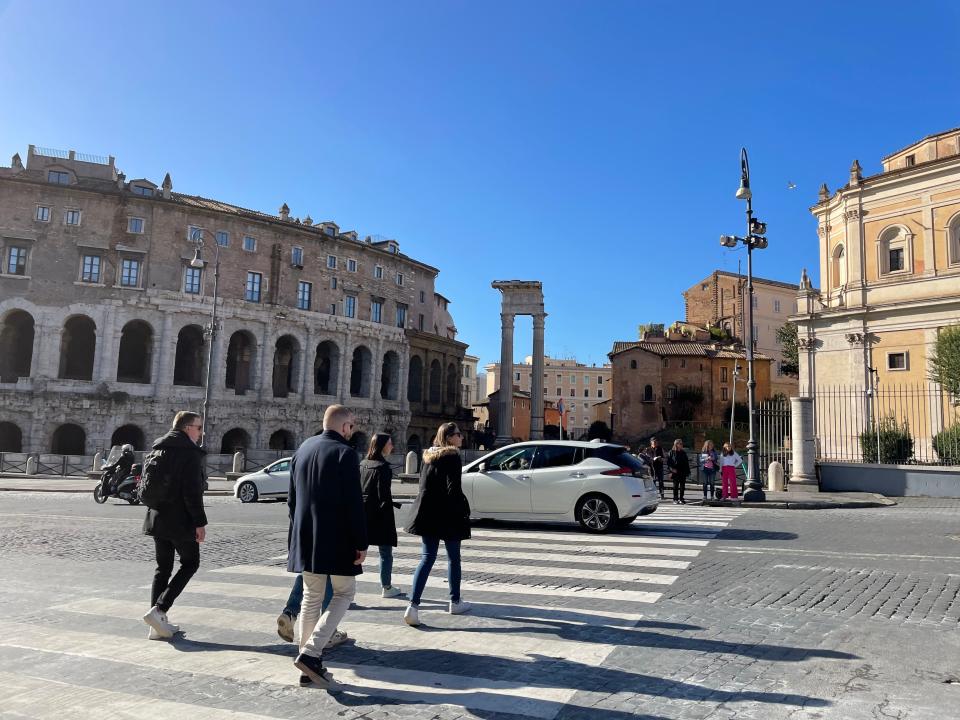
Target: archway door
{"x":11,"y":439}
{"x":234,"y":440}
{"x":16,"y":346}
{"x":69,"y":439}
{"x":129,"y":435}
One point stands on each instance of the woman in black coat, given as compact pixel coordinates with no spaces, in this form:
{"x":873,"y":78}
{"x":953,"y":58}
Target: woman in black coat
{"x":375,"y":478}
{"x":440,"y":512}
{"x":679,"y":466}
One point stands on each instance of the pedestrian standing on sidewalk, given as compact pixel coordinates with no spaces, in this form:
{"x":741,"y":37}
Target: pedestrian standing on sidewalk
{"x":328,"y":535}
{"x":710,"y":462}
{"x":177,"y":523}
{"x":655,"y":455}
{"x":729,"y":462}
{"x":376,"y":475}
{"x":440,"y":512}
{"x":679,"y":466}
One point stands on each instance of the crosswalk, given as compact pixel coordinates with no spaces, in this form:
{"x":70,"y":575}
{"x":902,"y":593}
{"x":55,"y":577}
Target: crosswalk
{"x":547,"y":604}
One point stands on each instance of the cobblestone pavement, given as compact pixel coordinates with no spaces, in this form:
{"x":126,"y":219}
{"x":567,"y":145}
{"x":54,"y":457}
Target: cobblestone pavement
{"x":690,"y":613}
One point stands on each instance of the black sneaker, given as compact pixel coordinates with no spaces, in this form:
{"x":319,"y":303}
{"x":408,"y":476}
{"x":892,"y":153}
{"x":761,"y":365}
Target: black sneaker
{"x":313,"y":668}
{"x":305,"y":680}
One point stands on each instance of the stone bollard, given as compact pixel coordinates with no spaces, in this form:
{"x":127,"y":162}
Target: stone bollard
{"x":32,"y":465}
{"x":238,"y":461}
{"x":410,"y":467}
{"x":775,"y":477}
{"x":97,"y":461}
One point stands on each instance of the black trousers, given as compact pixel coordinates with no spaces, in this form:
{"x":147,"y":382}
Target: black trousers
{"x":164,"y":590}
{"x":679,"y":484}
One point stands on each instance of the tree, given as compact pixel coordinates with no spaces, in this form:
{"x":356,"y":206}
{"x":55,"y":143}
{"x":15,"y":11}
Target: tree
{"x":599,"y":429}
{"x":945,"y":360}
{"x":787,"y":339}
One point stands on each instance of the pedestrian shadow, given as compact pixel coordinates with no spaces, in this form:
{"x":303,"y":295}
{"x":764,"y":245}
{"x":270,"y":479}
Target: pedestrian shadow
{"x":184,"y":644}
{"x":748,"y":534}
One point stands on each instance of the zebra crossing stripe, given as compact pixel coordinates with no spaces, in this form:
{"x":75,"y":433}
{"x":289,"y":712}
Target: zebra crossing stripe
{"x":582,"y":539}
{"x":20,"y":694}
{"x":578,"y":558}
{"x":412,"y":545}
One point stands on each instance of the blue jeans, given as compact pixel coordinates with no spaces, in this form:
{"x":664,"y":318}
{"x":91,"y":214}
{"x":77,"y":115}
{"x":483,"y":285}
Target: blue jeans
{"x":295,"y":600}
{"x":386,"y":565}
{"x":709,"y":480}
{"x":428,"y":554}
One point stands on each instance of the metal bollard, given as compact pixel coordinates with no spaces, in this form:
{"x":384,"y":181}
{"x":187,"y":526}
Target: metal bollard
{"x":238,"y":461}
{"x":410,"y":466}
{"x":775,"y":477}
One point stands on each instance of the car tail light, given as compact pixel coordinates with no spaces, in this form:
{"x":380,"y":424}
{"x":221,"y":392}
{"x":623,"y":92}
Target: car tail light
{"x":618,"y":471}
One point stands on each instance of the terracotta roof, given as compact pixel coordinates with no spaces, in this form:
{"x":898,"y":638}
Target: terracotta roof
{"x":684,"y":349}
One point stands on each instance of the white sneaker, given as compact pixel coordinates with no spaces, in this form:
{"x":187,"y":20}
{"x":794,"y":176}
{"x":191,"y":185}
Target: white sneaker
{"x":411,"y":616}
{"x":391,"y":592}
{"x":460,"y":607}
{"x":156,"y":620}
{"x":154,"y":635}
{"x":339,"y":637}
{"x":173,"y":628}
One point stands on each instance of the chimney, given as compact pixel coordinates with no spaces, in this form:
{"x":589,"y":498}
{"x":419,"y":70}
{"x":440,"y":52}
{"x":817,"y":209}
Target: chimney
{"x":284,"y":212}
{"x":167,"y":186}
{"x":121,"y":178}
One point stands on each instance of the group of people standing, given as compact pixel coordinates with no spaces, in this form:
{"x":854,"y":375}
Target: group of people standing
{"x":338,"y":507}
{"x":676,"y":462}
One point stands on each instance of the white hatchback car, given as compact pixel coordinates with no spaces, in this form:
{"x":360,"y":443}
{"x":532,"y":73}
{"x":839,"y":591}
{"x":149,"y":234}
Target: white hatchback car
{"x":599,"y":485}
{"x":273,"y":481}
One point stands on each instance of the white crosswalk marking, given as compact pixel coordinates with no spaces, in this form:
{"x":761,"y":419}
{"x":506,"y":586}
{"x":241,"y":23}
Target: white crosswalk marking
{"x":535,"y":594}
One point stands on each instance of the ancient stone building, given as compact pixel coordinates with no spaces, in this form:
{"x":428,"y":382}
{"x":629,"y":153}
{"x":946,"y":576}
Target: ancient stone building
{"x":105,"y":315}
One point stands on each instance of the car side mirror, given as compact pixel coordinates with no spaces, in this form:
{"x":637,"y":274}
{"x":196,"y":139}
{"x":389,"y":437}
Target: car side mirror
{"x":482,"y":467}
{"x":267,"y":471}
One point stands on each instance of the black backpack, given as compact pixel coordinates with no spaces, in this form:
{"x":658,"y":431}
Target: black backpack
{"x":156,"y":482}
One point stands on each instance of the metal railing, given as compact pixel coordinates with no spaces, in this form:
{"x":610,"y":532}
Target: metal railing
{"x":13,"y":462}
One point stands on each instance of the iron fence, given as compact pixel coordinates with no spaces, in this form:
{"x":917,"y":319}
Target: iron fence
{"x":773,"y":436}
{"x":13,"y":462}
{"x":890,"y":424}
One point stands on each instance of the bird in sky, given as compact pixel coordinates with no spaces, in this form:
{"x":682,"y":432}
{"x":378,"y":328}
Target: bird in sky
{"x":791,"y":186}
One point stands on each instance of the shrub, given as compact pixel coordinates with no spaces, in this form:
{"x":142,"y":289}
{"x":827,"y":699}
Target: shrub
{"x":896,"y":443}
{"x":947,"y":444}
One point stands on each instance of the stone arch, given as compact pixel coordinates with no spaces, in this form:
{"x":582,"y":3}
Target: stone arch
{"x":359,"y":441}
{"x":16,"y":346}
{"x":895,"y":246}
{"x":136,"y":352}
{"x":648,"y":393}
{"x":233,"y":440}
{"x":453,"y":384}
{"x":390,"y":376}
{"x":326,"y":368}
{"x":838,"y":262}
{"x":69,"y":439}
{"x":435,"y":381}
{"x":78,"y":346}
{"x":953,"y":239}
{"x":282,"y":440}
{"x":129,"y":434}
{"x":11,"y":437}
{"x":360,"y":371}
{"x":415,"y":379}
{"x":414,"y":443}
{"x":240,"y":365}
{"x":286,"y":366}
{"x":188,"y":364}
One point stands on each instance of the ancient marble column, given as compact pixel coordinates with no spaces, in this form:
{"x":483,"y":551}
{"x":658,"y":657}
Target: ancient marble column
{"x":804,"y":474}
{"x":505,"y":396}
{"x":536,"y":382}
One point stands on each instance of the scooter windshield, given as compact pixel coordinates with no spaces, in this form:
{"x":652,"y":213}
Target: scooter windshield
{"x":113,"y":457}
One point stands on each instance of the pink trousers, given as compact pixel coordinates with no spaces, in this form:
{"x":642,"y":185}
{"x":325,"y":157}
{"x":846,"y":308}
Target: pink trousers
{"x":728,"y":481}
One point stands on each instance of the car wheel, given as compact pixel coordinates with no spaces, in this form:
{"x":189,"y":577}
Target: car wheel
{"x":596,"y":513}
{"x":247,"y":492}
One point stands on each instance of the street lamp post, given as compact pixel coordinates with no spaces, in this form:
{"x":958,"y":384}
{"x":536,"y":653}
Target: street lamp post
{"x":198,"y":262}
{"x":755,"y":238}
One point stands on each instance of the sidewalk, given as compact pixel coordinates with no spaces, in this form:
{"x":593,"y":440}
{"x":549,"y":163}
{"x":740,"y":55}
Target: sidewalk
{"x":810,"y":501}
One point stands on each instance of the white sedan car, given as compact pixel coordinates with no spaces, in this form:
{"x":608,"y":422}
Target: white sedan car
{"x":599,"y":485}
{"x":273,"y":481}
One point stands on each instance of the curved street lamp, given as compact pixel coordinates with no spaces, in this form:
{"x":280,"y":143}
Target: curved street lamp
{"x":198,"y":262}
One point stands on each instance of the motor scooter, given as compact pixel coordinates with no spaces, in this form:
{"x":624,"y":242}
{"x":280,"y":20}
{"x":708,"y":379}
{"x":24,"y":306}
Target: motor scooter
{"x":120,"y":478}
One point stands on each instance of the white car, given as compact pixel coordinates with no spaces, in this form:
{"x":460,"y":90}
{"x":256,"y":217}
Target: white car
{"x":599,"y":485}
{"x":273,"y":481}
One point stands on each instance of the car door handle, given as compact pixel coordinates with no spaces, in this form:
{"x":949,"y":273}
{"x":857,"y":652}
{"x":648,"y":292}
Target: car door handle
{"x":578,"y":474}
{"x":524,"y":477}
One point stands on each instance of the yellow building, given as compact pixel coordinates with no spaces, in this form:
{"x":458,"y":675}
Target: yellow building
{"x":890,"y":280}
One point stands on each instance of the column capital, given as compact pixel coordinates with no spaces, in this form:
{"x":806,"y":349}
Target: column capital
{"x":506,"y":320}
{"x":539,"y":320}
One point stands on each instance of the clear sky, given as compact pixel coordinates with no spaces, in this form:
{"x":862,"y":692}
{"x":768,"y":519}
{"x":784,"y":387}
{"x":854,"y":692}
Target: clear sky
{"x":591,"y":145}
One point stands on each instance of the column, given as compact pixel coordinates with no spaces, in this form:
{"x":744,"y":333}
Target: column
{"x":166,"y":349}
{"x":505,"y":396}
{"x":305,"y":382}
{"x":105,"y":360}
{"x":346,"y":367}
{"x":803,"y":476}
{"x":377,"y":370}
{"x":536,"y":382}
{"x":264,"y":370}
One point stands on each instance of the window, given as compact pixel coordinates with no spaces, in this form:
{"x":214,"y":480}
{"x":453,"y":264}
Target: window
{"x":723,"y":374}
{"x":559,"y":378}
{"x":894,"y":247}
{"x":724,"y":394}
{"x":516,"y":458}
{"x":350,"y":306}
{"x":333,"y":283}
{"x":896,"y":259}
{"x":304,"y":295}
{"x":254,"y":281}
{"x":194,"y":233}
{"x":191,"y":280}
{"x":333,"y":308}
{"x":897,"y":361}
{"x":953,"y":240}
{"x":516,"y":377}
{"x":351,"y":265}
{"x":549,"y":456}
{"x":130,"y":273}
{"x":378,"y":272}
{"x":666,"y":362}
{"x":544,"y":391}
{"x":135,"y":225}
{"x":423,"y":296}
{"x":633,"y":364}
{"x":910,"y":161}
{"x":401,"y":315}
{"x":16,"y":261}
{"x":43,"y":213}
{"x":58,"y":178}
{"x":599,"y":379}
{"x":376,"y":311}
{"x":573,"y":379}
{"x":421,"y":322}
{"x":573,"y":393}
{"x":142,"y":191}
{"x":600,"y":392}
{"x":586,"y":392}
{"x":90,"y":269}
{"x":223,"y":238}
{"x":839,"y":267}
{"x":332,"y":262}
{"x":249,"y":243}
{"x":400,"y":279}
{"x":671,"y":391}
{"x":683,"y":362}
{"x":296,"y":256}
{"x":71,"y":217}
{"x":776,"y":306}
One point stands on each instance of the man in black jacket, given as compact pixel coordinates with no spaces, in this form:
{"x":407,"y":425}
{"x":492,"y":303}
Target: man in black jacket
{"x":178,"y":525}
{"x":328,"y":534}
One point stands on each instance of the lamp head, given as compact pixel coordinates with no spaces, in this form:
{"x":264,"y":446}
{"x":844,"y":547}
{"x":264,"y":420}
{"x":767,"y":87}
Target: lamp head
{"x":759,"y":242}
{"x":743,"y":192}
{"x":758,"y":227}
{"x":197,"y":262}
{"x":728,"y":241}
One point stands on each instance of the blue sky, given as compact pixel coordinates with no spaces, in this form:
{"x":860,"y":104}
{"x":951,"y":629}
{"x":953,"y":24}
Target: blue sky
{"x":591,"y":145}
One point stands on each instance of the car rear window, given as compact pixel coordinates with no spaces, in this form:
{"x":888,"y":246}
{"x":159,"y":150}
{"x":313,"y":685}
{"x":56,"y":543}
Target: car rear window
{"x":616,"y":455}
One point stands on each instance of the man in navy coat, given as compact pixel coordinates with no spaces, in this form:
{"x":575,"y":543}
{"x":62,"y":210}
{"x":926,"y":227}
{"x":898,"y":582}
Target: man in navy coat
{"x":328,"y":534}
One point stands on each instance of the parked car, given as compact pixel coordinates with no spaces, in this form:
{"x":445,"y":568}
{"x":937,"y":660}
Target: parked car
{"x":597,"y":484}
{"x":273,"y":481}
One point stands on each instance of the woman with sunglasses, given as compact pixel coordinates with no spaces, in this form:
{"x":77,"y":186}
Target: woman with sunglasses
{"x":440,"y":512}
